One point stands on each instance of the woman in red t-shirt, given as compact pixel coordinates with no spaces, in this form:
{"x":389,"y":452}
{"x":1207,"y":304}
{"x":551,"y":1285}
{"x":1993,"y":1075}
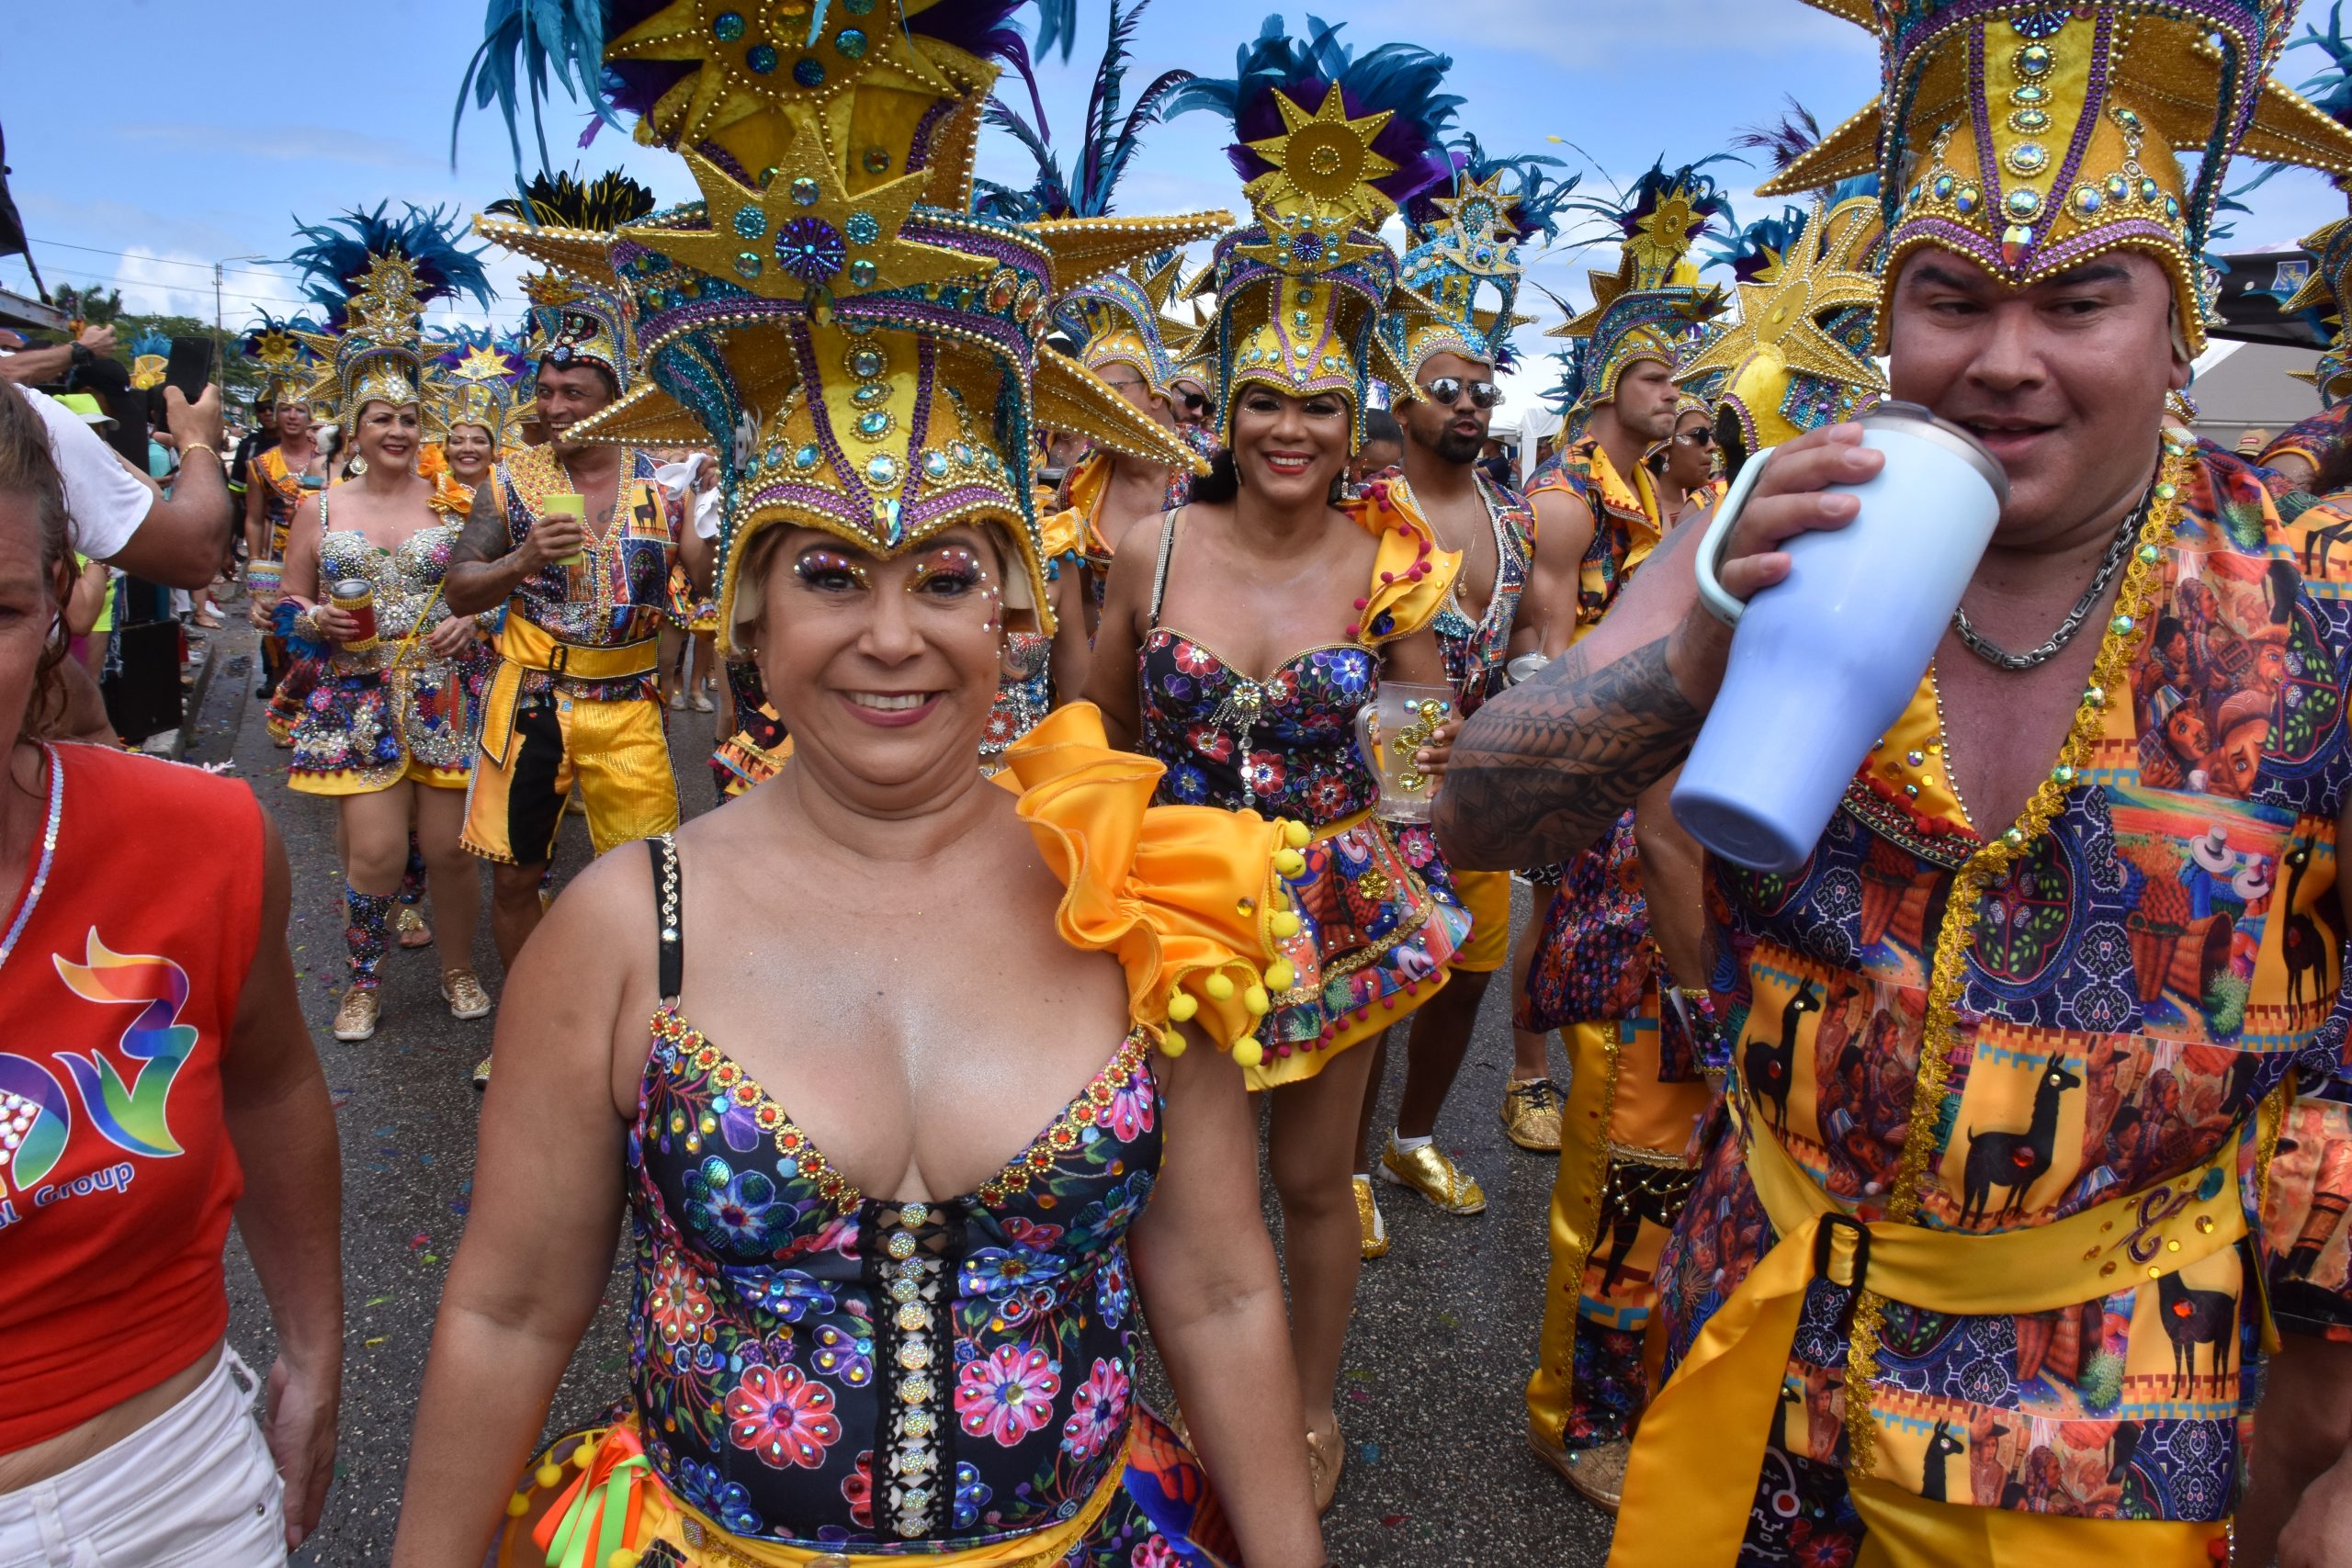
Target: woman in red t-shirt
{"x":155,"y":1078}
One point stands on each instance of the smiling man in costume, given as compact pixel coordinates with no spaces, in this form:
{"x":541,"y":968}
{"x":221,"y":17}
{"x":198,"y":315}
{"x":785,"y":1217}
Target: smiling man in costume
{"x":1982,"y":1289}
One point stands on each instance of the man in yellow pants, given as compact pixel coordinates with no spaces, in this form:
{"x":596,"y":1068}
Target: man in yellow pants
{"x":585,"y":579}
{"x":1968,"y":1276}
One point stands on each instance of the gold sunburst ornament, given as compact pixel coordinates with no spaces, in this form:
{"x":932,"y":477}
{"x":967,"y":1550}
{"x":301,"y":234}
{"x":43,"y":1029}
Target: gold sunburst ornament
{"x":1322,"y":163}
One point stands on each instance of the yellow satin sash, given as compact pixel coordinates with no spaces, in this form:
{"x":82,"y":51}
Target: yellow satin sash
{"x":1701,"y":1444}
{"x":526,"y":645}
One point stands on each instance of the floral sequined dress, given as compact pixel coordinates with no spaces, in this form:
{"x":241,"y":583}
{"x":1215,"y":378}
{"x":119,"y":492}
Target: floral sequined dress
{"x":395,"y":712}
{"x":1380,"y":921}
{"x":818,"y":1368}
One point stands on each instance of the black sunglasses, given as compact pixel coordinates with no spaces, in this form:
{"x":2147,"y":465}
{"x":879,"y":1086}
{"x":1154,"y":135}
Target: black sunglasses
{"x":1700,"y":437}
{"x":1194,"y":402}
{"x":1448,"y":389}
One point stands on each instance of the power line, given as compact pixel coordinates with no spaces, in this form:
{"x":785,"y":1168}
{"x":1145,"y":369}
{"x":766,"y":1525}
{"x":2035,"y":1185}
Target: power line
{"x":165,"y":261}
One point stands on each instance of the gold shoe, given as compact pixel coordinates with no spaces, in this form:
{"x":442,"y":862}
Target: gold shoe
{"x":1324,"y":1458}
{"x":1428,"y":1172}
{"x":355,"y":1018}
{"x":1531,"y":1114}
{"x":1375,"y":1233}
{"x":409,"y":923}
{"x":482,"y":1074}
{"x":464,"y":994}
{"x":1597,"y":1473}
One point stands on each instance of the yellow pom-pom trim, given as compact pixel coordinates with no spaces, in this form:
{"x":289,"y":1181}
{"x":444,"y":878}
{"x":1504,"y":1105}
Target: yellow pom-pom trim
{"x":518,"y":1504}
{"x":1247,"y":1053}
{"x":1283,"y":923}
{"x":1281,"y":973}
{"x":546,"y":1475}
{"x":1181,"y":1007}
{"x":584,"y":1455}
{"x":1254,"y":999}
{"x":1296,"y":834}
{"x":621,"y":1558}
{"x":1290,"y":863}
{"x":1219,"y":987}
{"x":1172,"y":1041}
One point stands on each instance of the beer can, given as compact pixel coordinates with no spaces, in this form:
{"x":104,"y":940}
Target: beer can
{"x":355,"y":597}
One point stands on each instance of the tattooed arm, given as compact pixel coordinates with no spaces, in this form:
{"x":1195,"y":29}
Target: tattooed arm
{"x":1541,"y":772}
{"x":484,"y":567}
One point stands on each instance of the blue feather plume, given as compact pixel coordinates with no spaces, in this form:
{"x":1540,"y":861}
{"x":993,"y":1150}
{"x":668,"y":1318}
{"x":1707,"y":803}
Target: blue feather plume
{"x":1401,"y":78}
{"x":2330,"y":91}
{"x":526,"y":43}
{"x":1761,"y":245}
{"x":340,"y":250}
{"x":1110,"y":142}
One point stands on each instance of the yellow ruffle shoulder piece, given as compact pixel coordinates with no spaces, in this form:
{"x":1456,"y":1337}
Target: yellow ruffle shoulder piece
{"x":450,"y":498}
{"x":1410,"y":576}
{"x":1189,"y":898}
{"x":1062,"y":532}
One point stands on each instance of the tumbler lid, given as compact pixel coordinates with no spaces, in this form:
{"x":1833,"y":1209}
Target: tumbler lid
{"x":1916,"y":419}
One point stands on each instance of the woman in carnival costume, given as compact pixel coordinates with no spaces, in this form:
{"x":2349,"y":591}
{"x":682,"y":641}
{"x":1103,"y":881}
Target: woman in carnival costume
{"x":390,"y":712}
{"x":277,"y":476}
{"x":863,"y":1333}
{"x":1266,"y":557}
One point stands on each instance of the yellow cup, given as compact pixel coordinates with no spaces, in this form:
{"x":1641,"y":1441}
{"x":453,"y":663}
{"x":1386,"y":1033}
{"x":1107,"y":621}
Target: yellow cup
{"x":566,"y":503}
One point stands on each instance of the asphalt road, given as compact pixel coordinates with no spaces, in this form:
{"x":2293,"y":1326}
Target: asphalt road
{"x":1438,"y":1473}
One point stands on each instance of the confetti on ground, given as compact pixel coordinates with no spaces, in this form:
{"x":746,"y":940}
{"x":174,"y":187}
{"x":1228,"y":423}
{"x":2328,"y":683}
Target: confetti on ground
{"x":1393,"y":1520}
{"x":1370,"y":1453}
{"x":376,"y":1301}
{"x":418,"y":1240}
{"x":378,"y":1340}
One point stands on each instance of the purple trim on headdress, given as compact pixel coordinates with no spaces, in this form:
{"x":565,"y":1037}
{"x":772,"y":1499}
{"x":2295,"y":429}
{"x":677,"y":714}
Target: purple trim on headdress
{"x":2061,"y":190}
{"x":727,"y":161}
{"x":804,"y":352}
{"x":918,"y":145}
{"x":919,"y":425}
{"x":997,"y":245}
{"x":1946,"y":236}
{"x":941,"y":503}
{"x":1988,"y":158}
{"x":925,"y":315}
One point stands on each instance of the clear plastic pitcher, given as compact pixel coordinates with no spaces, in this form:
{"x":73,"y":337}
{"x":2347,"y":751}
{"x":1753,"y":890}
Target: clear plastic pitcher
{"x":1389,"y":729}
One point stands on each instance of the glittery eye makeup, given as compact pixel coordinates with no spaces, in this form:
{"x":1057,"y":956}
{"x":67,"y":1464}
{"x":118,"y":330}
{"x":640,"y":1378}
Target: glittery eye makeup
{"x":947,"y":572}
{"x":831,"y":570}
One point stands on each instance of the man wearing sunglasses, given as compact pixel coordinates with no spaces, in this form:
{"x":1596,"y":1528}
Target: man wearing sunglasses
{"x":1448,"y":343}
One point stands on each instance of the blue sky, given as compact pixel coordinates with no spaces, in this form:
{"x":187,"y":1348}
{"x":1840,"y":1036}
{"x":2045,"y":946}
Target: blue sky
{"x":239,"y":117}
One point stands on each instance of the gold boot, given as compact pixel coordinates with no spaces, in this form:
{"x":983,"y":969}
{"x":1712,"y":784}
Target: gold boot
{"x":355,"y":1018}
{"x":1324,"y":1456}
{"x":1428,"y":1172}
{"x":1368,"y":1222}
{"x":1597,"y":1473}
{"x":462,"y":990}
{"x":1531,"y":1114}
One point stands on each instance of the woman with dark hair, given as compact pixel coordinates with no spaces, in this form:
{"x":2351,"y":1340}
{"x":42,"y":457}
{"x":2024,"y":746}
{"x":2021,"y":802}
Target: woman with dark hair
{"x":155,"y":1078}
{"x":1296,"y":601}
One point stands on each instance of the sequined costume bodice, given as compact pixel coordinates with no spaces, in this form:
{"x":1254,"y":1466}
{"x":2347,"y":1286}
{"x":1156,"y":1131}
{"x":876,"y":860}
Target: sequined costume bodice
{"x":815,"y":1365}
{"x":406,"y":578}
{"x":1476,"y":652}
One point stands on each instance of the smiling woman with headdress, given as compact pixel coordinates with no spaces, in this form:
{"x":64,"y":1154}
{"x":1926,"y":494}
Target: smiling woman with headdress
{"x":1270,"y":557}
{"x":809,"y":1040}
{"x":388,"y":712}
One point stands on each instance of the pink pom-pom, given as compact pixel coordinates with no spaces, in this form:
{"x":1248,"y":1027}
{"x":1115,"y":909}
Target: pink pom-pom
{"x":1363,"y":604}
{"x":1353,"y":629}
{"x":1387,"y":577}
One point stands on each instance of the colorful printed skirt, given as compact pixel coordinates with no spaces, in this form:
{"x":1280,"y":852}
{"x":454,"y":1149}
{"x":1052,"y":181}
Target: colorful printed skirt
{"x":1592,"y":957}
{"x":695,"y":616}
{"x":1379,"y":925}
{"x":595,"y":1497}
{"x":2304,"y":1221}
{"x":361,"y":732}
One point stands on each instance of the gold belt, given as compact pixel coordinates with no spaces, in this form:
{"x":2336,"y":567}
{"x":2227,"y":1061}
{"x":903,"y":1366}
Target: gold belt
{"x":1714,"y":1418}
{"x":526,"y":645}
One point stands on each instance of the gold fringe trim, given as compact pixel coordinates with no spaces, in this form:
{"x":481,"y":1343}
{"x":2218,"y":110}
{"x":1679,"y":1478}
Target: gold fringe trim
{"x":2126,"y":628}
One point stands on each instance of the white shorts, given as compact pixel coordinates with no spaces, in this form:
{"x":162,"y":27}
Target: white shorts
{"x":193,"y":1488}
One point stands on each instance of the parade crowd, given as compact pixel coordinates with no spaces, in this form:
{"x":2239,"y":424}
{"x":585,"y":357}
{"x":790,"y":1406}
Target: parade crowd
{"x":1136,"y":669}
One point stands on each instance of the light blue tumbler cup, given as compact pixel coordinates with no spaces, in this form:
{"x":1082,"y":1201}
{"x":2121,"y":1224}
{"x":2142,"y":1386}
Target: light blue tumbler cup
{"x":1824,"y":661}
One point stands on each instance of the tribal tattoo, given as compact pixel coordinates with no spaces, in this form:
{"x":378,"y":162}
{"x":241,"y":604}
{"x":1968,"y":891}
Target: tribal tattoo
{"x":1539,"y":773}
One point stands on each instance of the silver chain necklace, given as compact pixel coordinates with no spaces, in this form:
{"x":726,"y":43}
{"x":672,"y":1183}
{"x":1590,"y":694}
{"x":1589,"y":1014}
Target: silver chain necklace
{"x":2002,"y":659}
